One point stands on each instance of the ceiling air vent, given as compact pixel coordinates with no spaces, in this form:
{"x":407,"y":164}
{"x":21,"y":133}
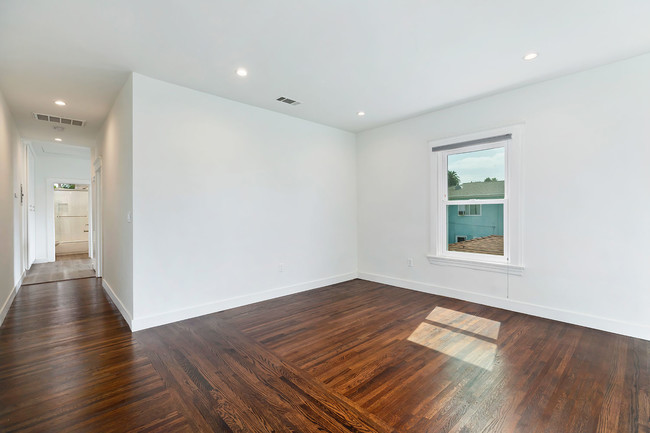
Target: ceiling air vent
{"x":287,"y":101}
{"x":57,"y":119}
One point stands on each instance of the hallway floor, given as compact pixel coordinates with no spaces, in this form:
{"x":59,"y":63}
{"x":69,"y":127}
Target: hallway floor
{"x":67,"y":267}
{"x":69,"y":363}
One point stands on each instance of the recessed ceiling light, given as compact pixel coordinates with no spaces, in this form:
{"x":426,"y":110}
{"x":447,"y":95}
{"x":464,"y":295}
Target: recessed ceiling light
{"x":58,"y":139}
{"x":242,"y":72}
{"x":361,"y":113}
{"x":530,"y":56}
{"x":59,"y":102}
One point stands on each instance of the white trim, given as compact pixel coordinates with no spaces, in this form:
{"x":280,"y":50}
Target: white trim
{"x":118,"y":303}
{"x":609,"y":325}
{"x":480,"y":265}
{"x":30,"y":176}
{"x":10,"y":299}
{"x":478,"y":201}
{"x":50,"y":217}
{"x":141,"y":323}
{"x":24,"y":208}
{"x":96,"y":235}
{"x":471,"y":258}
{"x":37,"y":261}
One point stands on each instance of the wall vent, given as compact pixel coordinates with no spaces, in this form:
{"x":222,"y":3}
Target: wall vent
{"x":288,"y":100}
{"x":57,"y":119}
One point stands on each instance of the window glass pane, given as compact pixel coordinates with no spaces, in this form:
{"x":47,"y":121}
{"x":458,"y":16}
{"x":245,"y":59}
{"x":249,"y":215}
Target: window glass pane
{"x":469,"y":210}
{"x":483,"y":233}
{"x":476,"y":175}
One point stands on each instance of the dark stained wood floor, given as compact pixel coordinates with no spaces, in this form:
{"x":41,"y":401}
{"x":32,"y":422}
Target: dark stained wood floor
{"x":69,"y":363}
{"x":357,"y":356}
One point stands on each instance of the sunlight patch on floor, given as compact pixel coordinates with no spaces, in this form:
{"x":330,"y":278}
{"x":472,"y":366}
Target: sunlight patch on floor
{"x":465,"y":322}
{"x":466,"y":337}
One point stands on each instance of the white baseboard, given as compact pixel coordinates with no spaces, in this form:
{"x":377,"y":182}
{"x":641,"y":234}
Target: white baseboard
{"x":118,"y":303}
{"x":238,"y":301}
{"x":10,"y":299}
{"x":618,"y":327}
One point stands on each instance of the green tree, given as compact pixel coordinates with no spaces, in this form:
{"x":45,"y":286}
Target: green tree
{"x":490,"y":179}
{"x":452,"y":178}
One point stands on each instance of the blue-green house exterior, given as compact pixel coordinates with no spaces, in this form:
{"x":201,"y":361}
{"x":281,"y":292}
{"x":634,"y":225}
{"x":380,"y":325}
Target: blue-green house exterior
{"x":490,"y":220}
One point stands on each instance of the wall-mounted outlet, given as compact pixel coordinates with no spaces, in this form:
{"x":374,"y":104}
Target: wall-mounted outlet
{"x":410,"y":262}
{"x":281,"y":267}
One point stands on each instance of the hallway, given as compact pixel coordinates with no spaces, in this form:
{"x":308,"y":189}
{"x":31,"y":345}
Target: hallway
{"x":66,"y":267}
{"x":68,"y":362}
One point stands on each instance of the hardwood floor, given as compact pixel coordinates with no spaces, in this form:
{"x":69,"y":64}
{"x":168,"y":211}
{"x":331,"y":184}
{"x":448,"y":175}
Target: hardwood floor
{"x":356,"y":356}
{"x":66,"y":267}
{"x":63,"y":257}
{"x":69,"y":363}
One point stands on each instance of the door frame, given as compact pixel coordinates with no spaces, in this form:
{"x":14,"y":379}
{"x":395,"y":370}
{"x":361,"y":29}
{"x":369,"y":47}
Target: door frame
{"x":96,"y":220}
{"x":30,"y":216}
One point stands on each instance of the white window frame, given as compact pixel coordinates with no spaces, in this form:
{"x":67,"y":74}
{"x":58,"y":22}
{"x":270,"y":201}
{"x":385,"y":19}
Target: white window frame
{"x":512,"y":260}
{"x":480,"y":209}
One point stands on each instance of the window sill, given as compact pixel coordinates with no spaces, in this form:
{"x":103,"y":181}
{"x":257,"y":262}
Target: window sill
{"x":477,"y":265}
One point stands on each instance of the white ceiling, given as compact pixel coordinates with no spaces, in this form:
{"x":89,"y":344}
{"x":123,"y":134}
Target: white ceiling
{"x":390,"y":58}
{"x":58,"y":149}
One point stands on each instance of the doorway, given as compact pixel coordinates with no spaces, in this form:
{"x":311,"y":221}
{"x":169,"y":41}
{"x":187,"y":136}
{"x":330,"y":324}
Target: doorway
{"x":71,"y":226}
{"x":70,"y":235}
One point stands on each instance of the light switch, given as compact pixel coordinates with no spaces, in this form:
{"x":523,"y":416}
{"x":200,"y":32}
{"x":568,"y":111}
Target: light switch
{"x":129,"y":217}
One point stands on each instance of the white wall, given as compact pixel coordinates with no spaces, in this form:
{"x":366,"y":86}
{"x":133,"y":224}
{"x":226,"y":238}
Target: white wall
{"x":49,"y":166}
{"x":224,"y":193}
{"x":20,"y":207}
{"x":12,"y":157}
{"x":586,"y":180}
{"x":115,"y":147}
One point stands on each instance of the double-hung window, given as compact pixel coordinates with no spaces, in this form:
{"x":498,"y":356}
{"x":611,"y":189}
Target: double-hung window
{"x":475,"y":212}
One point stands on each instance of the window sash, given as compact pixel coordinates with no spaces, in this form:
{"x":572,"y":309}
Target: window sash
{"x":444,"y":155}
{"x":476,"y":201}
{"x":443,"y":202}
{"x":443,"y":245}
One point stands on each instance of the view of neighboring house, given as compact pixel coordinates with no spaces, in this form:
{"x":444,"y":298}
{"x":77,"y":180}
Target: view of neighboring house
{"x":470,"y":222}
